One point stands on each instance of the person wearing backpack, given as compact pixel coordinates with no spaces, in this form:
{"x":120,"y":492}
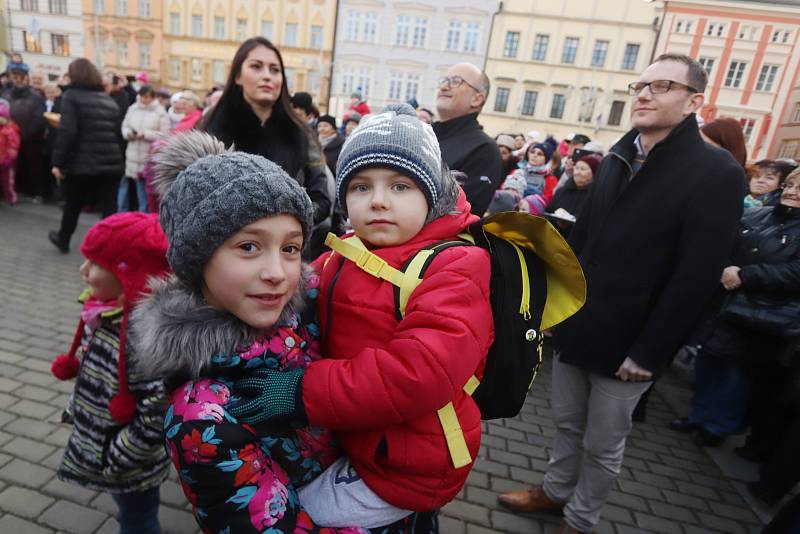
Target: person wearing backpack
{"x":652,"y":247}
{"x":383,"y":379}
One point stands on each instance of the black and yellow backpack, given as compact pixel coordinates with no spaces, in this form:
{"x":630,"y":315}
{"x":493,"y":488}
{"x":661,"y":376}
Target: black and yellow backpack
{"x":536,"y":282}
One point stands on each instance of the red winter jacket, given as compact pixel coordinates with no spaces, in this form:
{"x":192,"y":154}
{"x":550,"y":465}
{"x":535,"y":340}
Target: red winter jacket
{"x":382,"y":380}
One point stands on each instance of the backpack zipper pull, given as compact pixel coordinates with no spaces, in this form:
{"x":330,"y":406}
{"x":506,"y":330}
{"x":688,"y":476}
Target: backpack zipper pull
{"x":525,"y":304}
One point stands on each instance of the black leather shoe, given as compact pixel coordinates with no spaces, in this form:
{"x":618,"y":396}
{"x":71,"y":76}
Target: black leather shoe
{"x":682,"y":424}
{"x":704,"y":438}
{"x":56,"y":241}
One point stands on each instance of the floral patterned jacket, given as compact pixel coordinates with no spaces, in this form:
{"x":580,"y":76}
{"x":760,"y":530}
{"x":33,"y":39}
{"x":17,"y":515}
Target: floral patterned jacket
{"x":238,"y":478}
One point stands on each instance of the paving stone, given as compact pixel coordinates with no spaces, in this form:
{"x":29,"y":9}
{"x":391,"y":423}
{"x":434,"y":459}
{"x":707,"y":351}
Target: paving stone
{"x":10,"y":357}
{"x":27,"y":449}
{"x":639,"y":489}
{"x":513,"y":523}
{"x":675,"y":513}
{"x":23,"y":502}
{"x":531,"y":451}
{"x":6,"y":417}
{"x":32,"y":409}
{"x":54,"y":460}
{"x":70,"y":492}
{"x":29,"y":427}
{"x":636,"y":452}
{"x":37,"y":361}
{"x":60,"y":437}
{"x":628,"y":501}
{"x":109,"y":527}
{"x":509,"y":458}
{"x":480,"y":480}
{"x":36,"y":378}
{"x":657,"y":524}
{"x":35,"y":393}
{"x":451,"y":525}
{"x":698,"y":491}
{"x":7,"y":385}
{"x":493,"y":468}
{"x":737,"y":513}
{"x":484,"y":497}
{"x":104,"y":503}
{"x":617,"y":514}
{"x":73,"y":518}
{"x":501,"y":485}
{"x":720,"y":523}
{"x":468,"y":512}
{"x":25,"y":473}
{"x":7,"y":400}
{"x":711,"y":482}
{"x":14,"y":525}
{"x":681,"y":499}
{"x":527,"y":476}
{"x":508,"y":433}
{"x":650,"y":479}
{"x":669,"y":472}
{"x":175,"y":521}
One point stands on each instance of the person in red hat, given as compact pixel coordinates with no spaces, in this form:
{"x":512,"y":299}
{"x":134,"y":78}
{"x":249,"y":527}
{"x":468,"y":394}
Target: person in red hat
{"x":117,"y":415}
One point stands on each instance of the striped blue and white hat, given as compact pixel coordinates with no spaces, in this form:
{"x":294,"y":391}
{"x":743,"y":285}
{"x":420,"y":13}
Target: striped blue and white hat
{"x":394,"y":138}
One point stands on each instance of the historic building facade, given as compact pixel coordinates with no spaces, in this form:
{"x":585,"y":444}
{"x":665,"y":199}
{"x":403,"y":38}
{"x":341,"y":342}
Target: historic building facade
{"x":750,"y":51}
{"x":395,"y":51}
{"x":561,"y":67}
{"x":201,"y":37}
{"x":48,"y":33}
{"x":124,"y":36}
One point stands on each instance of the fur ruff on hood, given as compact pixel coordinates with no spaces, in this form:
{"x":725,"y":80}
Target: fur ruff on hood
{"x":175,"y":333}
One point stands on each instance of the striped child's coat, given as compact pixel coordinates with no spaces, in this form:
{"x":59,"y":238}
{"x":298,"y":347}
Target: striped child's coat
{"x":101,"y":454}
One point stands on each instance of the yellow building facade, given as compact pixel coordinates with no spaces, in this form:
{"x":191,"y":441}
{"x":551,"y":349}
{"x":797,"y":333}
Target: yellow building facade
{"x":124,"y":36}
{"x":562,"y":67}
{"x":201,"y":37}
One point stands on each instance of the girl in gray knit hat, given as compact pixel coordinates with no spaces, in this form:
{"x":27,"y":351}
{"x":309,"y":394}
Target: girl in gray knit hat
{"x":236,"y":225}
{"x":392,"y":383}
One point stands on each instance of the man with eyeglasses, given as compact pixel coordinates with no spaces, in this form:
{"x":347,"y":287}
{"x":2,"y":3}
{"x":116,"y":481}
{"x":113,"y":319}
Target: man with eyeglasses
{"x":465,"y":147}
{"x":653,"y":239}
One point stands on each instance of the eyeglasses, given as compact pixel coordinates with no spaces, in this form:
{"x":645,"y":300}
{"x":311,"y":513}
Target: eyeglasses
{"x":658,"y":87}
{"x":455,"y":81}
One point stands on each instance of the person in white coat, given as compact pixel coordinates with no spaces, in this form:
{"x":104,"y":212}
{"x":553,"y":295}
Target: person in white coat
{"x":145,"y":122}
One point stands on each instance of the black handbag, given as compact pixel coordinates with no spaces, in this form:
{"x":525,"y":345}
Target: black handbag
{"x":767,"y":314}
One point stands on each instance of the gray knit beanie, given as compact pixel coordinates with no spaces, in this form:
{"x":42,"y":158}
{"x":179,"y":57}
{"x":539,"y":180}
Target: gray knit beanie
{"x":209,"y":193}
{"x":396,"y":139}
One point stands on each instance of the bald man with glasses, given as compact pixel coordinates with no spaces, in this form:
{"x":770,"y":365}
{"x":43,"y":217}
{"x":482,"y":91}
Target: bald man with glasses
{"x":460,"y":96}
{"x":653,"y":239}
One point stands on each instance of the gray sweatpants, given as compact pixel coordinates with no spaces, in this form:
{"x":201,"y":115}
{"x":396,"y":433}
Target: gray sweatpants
{"x":339,"y":498}
{"x":592,"y":414}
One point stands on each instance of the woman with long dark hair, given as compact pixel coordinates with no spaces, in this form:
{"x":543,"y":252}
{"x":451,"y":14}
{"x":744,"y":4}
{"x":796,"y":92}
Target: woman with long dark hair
{"x":86,"y":159}
{"x":255,"y":115}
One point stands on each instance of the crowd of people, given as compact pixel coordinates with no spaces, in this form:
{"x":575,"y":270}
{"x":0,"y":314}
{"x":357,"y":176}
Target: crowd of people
{"x":684,"y":245}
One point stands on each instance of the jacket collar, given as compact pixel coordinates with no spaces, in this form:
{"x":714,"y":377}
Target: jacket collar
{"x":176,"y":334}
{"x":470,"y":120}
{"x":684,"y":136}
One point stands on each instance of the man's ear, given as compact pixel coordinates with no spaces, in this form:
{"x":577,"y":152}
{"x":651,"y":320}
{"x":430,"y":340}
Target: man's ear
{"x":478,"y":100}
{"x":695,"y":103}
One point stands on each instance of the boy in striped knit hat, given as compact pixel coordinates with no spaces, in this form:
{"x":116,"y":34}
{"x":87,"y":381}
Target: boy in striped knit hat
{"x":116,"y":443}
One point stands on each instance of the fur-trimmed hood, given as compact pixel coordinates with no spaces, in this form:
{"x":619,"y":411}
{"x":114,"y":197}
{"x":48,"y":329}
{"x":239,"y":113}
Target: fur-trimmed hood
{"x":175,"y":333}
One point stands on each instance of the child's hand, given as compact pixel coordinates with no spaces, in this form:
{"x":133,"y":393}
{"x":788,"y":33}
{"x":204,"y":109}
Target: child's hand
{"x":268,"y":396}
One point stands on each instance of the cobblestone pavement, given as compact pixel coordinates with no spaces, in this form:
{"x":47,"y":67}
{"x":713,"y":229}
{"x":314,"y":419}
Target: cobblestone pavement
{"x":667,"y":484}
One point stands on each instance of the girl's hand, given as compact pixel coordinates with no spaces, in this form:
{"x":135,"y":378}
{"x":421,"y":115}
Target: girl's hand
{"x":730,"y":278}
{"x":57,"y":173}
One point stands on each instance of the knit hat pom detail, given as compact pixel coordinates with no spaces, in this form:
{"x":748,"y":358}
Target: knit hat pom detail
{"x":122,"y":407}
{"x":65,"y":367}
{"x":400,"y":109}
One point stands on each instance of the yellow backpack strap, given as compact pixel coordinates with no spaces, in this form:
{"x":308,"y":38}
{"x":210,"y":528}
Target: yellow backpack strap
{"x":354,"y":250}
{"x":412,"y":276}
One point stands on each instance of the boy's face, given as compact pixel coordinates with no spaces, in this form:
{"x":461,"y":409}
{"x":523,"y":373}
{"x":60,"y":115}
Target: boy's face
{"x":254,"y":273}
{"x":103,"y":284}
{"x":385,"y":207}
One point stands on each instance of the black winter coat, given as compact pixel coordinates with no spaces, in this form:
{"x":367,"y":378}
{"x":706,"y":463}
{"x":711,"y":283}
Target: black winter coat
{"x":570,"y":198}
{"x":652,"y":249}
{"x":332,"y":151}
{"x":768,"y":251}
{"x":87,"y":143}
{"x":27,"y":110}
{"x":301,"y":158}
{"x":466,"y":148}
